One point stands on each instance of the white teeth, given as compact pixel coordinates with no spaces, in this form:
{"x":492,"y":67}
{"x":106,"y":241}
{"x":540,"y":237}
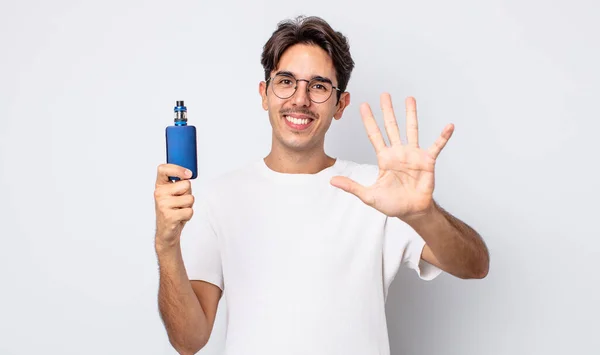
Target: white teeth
{"x":299,"y":121}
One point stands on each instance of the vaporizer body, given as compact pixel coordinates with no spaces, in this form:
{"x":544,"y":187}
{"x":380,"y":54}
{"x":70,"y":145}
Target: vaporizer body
{"x":181,"y":142}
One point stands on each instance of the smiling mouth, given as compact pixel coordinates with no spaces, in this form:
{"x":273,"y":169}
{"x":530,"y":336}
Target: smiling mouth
{"x":298,"y":122}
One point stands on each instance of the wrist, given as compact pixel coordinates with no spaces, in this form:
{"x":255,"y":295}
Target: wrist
{"x":163,"y":247}
{"x":424,"y":217}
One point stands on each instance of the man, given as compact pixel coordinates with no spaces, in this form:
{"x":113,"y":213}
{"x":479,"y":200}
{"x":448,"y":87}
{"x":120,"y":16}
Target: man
{"x":306,"y":245}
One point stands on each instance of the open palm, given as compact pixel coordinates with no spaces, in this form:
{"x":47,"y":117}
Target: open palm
{"x":404,"y":187}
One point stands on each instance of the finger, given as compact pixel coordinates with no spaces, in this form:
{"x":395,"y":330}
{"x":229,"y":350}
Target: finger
{"x":371,"y":127}
{"x":165,"y":171}
{"x":412,"y":124}
{"x":180,"y":187}
{"x":389,"y":118}
{"x":177,"y":188}
{"x":440,"y":143}
{"x":353,"y":187}
{"x":183,"y":201}
{"x":184,"y":214}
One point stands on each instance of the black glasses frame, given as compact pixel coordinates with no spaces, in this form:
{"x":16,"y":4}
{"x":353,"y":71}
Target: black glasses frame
{"x":307,"y":87}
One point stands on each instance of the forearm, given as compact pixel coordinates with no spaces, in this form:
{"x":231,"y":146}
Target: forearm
{"x":181,"y":312}
{"x":458,"y":247}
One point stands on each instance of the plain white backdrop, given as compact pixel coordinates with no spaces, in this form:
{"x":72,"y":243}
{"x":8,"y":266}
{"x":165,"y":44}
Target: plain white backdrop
{"x":87,"y":89}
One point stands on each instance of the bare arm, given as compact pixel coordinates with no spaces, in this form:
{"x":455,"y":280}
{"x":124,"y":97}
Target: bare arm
{"x":404,"y":189}
{"x":452,"y":245}
{"x":188,"y":309}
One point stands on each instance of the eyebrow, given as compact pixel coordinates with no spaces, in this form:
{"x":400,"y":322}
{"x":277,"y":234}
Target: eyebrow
{"x":314,"y":77}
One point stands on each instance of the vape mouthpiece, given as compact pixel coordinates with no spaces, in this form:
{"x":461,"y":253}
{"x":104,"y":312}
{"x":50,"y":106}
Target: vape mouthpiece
{"x":180,"y":114}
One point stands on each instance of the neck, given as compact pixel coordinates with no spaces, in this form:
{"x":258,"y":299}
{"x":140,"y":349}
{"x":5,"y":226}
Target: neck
{"x":298,"y":162}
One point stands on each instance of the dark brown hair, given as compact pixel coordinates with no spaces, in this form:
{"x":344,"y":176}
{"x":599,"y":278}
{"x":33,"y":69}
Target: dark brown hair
{"x":309,"y":30}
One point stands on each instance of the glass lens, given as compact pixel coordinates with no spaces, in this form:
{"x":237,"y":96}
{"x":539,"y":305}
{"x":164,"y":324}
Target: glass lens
{"x":284,"y":86}
{"x":319,"y":90}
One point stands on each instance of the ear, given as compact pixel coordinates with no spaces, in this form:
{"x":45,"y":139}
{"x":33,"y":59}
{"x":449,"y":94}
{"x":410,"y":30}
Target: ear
{"x":262,"y":90}
{"x":344,"y":102}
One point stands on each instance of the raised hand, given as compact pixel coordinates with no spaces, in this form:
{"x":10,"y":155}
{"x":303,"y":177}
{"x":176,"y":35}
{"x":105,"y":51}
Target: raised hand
{"x":404,"y":187}
{"x":173,"y":204}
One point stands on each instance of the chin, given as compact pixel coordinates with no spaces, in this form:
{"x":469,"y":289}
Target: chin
{"x":296,"y":135}
{"x":297,"y":144}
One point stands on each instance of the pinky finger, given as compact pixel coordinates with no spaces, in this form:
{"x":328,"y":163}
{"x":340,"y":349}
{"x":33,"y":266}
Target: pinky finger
{"x":185,"y":214}
{"x":440,"y":143}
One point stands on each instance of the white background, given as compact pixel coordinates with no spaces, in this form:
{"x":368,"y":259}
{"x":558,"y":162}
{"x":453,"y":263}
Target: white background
{"x":87,"y":88}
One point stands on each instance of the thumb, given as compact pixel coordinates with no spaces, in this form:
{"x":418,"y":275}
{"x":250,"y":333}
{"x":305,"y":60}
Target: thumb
{"x":352,"y":187}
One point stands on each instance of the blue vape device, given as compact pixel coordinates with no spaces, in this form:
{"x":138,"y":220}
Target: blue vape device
{"x":181,"y":142}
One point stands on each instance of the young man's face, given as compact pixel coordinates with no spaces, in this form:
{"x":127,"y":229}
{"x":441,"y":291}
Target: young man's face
{"x":298,"y":123}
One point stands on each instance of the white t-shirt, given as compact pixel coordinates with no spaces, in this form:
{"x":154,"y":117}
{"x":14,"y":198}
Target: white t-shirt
{"x":305,"y":267}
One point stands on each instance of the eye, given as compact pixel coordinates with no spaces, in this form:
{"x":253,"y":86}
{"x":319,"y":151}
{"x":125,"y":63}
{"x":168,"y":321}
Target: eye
{"x":285,"y":82}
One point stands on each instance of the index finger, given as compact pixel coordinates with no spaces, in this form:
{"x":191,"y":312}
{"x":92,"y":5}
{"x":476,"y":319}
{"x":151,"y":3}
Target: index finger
{"x":165,"y":171}
{"x":391,"y":125}
{"x":371,"y":127}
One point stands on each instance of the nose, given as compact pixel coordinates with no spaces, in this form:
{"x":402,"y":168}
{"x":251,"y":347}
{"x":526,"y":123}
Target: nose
{"x":301,"y":97}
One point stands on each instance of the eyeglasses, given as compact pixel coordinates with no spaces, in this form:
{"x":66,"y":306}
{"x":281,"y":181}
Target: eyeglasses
{"x":319,"y":89}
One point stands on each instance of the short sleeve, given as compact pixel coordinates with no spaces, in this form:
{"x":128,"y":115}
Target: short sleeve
{"x":200,"y":246}
{"x":402,"y":245}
